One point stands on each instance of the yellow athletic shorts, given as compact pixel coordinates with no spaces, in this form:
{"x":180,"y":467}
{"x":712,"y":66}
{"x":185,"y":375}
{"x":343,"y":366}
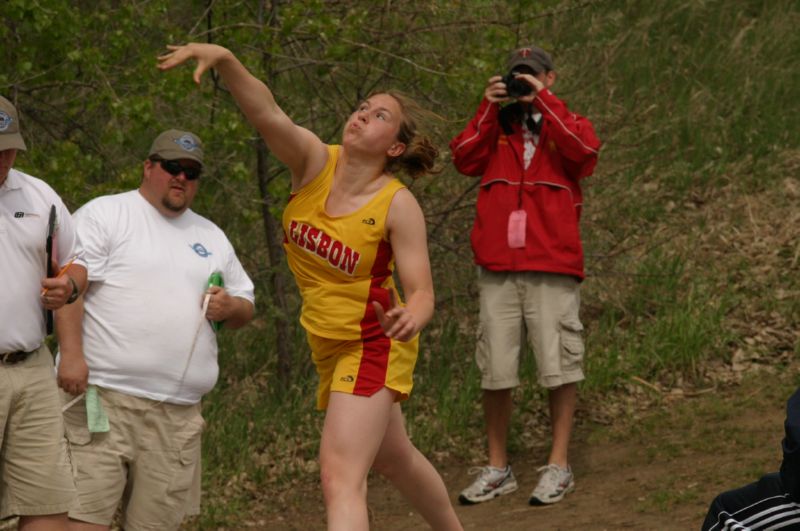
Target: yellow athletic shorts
{"x":363,"y":366}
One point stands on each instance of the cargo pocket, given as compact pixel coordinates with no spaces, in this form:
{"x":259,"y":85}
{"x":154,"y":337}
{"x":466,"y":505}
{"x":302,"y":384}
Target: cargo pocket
{"x":572,"y":348}
{"x":185,"y":482}
{"x":76,"y":427}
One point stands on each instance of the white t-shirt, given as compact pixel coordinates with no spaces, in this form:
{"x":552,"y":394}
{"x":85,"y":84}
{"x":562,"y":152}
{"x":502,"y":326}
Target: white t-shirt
{"x":25,"y":203}
{"x":148,"y":274}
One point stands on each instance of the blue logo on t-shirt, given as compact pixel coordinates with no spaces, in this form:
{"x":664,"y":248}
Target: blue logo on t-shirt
{"x":200,"y":250}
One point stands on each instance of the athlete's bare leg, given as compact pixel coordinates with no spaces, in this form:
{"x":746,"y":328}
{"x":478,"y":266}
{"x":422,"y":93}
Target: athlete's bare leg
{"x":353,"y":431}
{"x":414,"y":476}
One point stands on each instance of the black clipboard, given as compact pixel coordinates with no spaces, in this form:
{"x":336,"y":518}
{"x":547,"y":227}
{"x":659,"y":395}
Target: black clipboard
{"x":48,"y":247}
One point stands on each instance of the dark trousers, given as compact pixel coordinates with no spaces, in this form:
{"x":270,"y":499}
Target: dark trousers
{"x":760,"y":505}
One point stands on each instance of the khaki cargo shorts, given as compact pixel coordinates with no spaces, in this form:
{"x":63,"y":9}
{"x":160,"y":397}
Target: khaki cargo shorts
{"x":35,"y":473}
{"x":149,"y":461}
{"x":544,"y":304}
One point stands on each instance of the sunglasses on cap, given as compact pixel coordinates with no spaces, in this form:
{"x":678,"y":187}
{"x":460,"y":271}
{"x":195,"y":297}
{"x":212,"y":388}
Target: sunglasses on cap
{"x":175,"y":168}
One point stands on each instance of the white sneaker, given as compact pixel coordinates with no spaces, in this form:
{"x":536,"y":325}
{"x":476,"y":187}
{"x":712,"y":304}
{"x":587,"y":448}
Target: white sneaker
{"x":490,"y":483}
{"x":554,"y":483}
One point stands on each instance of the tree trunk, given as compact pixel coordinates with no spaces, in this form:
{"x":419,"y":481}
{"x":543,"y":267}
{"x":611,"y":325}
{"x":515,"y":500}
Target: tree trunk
{"x":272,"y":228}
{"x":276,"y":277}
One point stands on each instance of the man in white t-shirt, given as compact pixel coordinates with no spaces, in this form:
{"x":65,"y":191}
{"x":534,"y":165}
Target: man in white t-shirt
{"x":35,"y":474}
{"x":149,"y":353}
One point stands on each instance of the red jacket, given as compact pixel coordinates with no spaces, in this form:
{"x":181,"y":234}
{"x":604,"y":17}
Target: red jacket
{"x":552,"y":198}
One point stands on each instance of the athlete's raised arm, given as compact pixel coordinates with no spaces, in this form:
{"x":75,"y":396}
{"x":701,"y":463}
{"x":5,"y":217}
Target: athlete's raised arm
{"x":300,"y":149}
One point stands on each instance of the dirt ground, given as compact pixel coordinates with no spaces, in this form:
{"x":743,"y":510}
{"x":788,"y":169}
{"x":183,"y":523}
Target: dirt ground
{"x":656,"y":469}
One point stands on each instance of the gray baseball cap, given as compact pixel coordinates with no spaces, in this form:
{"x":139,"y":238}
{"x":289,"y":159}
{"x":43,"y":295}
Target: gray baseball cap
{"x":533,"y":57}
{"x":174,"y":144}
{"x":10,"y":137}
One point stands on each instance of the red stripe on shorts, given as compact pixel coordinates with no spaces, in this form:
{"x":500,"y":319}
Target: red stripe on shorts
{"x":375,"y":356}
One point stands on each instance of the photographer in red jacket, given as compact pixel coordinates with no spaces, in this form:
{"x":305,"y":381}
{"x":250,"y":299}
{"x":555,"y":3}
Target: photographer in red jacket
{"x":531,"y":153}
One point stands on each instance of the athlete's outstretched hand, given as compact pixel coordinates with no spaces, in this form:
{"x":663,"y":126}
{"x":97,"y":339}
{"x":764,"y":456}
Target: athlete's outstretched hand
{"x":397,"y":323}
{"x":207,"y":56}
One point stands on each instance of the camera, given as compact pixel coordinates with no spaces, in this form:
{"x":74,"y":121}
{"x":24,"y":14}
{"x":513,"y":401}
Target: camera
{"x":516,"y":87}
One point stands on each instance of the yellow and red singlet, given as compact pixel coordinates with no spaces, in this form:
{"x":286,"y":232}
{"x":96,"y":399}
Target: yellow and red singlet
{"x":340,"y":263}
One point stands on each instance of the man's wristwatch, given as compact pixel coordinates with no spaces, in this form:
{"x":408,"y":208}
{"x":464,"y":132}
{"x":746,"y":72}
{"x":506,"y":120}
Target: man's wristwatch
{"x":75,"y":291}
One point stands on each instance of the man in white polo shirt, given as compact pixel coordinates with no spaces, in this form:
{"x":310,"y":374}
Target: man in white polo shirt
{"x":149,"y":350}
{"x":35,"y":475}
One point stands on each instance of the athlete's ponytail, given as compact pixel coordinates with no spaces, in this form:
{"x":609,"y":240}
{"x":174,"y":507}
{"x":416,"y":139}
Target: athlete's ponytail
{"x":419,"y":157}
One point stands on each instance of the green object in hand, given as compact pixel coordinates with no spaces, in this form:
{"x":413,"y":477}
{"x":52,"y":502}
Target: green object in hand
{"x":216,"y":280}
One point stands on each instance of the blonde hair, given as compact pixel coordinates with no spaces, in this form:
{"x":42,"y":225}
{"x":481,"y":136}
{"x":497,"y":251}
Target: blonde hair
{"x":419,"y":157}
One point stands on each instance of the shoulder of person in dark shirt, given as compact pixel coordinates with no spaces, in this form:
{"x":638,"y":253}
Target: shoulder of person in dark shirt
{"x":790,"y":468}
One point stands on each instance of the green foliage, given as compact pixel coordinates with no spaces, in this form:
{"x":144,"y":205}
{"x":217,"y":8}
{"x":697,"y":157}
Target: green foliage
{"x":666,"y":325}
{"x":445,"y":364}
{"x":700,"y":82}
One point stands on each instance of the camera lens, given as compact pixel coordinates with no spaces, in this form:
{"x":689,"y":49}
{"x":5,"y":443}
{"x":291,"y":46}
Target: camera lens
{"x":516,"y":88}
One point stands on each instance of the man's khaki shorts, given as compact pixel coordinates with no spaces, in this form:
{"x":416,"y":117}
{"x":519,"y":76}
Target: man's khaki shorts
{"x":35,"y":473}
{"x":547,"y":305}
{"x":149,"y":461}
